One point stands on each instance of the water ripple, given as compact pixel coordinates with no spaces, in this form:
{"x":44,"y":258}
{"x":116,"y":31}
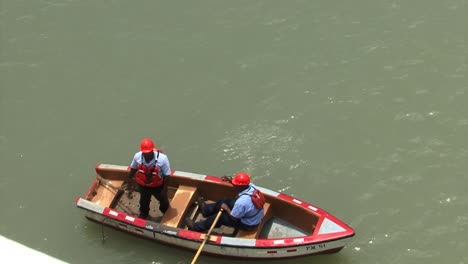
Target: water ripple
{"x":262,"y":146}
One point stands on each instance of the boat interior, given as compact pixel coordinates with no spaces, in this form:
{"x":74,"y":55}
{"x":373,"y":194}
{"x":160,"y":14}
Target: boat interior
{"x":282,"y":219}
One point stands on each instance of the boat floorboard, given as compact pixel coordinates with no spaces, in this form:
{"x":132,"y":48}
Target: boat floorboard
{"x":129,"y":204}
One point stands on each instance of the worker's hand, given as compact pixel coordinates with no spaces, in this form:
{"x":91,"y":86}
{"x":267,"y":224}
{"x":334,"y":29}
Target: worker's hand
{"x":224,"y":206}
{"x":226,"y":178}
{"x":129,"y":185}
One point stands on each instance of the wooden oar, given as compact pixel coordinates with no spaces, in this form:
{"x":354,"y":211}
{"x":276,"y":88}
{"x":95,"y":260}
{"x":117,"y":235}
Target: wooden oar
{"x":207,"y":236}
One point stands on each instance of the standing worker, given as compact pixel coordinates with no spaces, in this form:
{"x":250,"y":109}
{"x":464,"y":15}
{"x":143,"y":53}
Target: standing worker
{"x":150,"y":169}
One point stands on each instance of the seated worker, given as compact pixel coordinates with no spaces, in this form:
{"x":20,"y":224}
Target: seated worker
{"x":240,"y":213}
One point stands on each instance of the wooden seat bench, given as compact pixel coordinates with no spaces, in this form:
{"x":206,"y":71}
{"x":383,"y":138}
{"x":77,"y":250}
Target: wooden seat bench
{"x":255,"y":232}
{"x":183,"y":198}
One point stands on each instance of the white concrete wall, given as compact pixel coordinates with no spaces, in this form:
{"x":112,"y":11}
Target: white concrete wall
{"x":14,"y":252}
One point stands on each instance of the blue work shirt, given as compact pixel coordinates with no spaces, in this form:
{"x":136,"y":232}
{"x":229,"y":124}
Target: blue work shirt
{"x":244,"y":208}
{"x":162,"y":162}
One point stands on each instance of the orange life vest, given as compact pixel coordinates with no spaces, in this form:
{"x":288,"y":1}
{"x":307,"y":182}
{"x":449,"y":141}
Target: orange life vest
{"x":149,"y":175}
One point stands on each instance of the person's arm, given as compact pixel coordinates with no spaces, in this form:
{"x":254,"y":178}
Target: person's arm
{"x":164,"y":189}
{"x":130,"y":180}
{"x":133,"y":167}
{"x":226,"y":208}
{"x":131,"y":173}
{"x":166,"y":172}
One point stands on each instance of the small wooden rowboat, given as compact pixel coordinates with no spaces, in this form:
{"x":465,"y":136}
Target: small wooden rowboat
{"x":290,"y":228}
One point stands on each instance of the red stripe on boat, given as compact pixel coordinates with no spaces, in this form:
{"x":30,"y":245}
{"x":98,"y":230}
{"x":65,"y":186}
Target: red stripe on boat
{"x":192,"y":235}
{"x":291,"y":250}
{"x":124,"y":217}
{"x":296,"y":201}
{"x":285,"y":197}
{"x":286,"y":242}
{"x":213,"y":178}
{"x":301,"y":203}
{"x":271,"y":251}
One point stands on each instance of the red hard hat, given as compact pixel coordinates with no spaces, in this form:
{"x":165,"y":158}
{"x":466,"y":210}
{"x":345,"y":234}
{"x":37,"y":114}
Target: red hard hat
{"x":146,"y":145}
{"x":241,"y":179}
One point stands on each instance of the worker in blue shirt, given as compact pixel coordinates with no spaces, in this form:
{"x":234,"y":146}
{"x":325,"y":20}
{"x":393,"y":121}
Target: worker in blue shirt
{"x":240,"y":213}
{"x":150,"y":169}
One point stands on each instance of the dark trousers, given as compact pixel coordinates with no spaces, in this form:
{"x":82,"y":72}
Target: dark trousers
{"x":145,"y":199}
{"x":210,"y":212}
